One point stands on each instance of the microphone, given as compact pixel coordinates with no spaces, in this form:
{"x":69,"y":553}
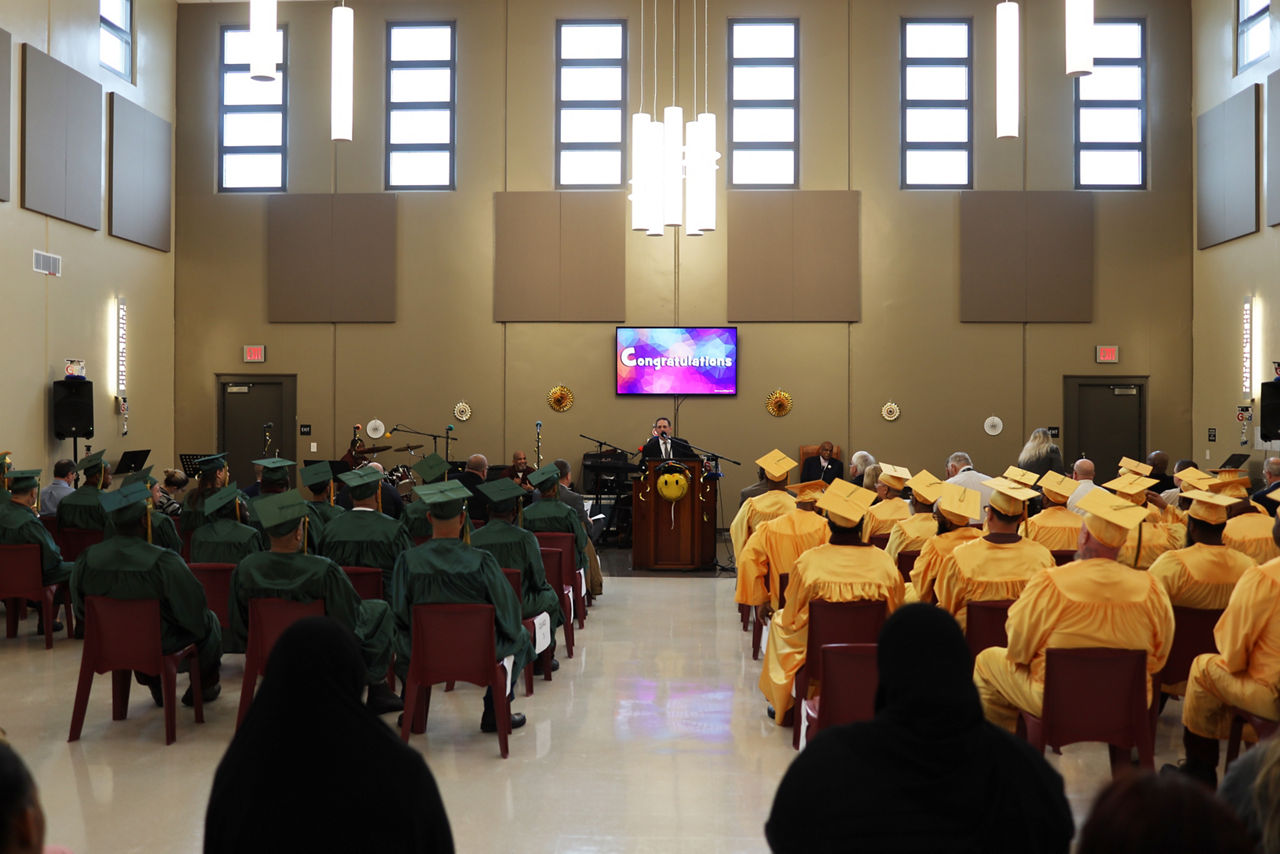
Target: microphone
{"x":392,"y":430}
{"x":537,"y":425}
{"x":449,"y":429}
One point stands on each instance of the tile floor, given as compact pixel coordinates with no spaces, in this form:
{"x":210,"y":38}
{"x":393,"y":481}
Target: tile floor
{"x":652,"y":738}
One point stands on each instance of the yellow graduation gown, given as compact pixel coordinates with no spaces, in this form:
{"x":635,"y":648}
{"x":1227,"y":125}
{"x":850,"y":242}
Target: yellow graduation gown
{"x":1200,"y":576}
{"x":772,"y":551}
{"x":760,"y":508}
{"x":933,"y":554}
{"x":1250,"y":533}
{"x":1056,"y":528}
{"x":1156,"y":539}
{"x":882,"y":516}
{"x":909,"y":534}
{"x":983,"y":571}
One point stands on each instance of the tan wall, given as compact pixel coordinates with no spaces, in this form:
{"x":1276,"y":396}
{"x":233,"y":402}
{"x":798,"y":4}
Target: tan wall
{"x":911,"y":348}
{"x":1225,"y":274}
{"x":48,"y":320}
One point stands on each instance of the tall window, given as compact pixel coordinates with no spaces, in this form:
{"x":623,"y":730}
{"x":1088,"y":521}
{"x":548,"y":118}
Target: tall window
{"x":422,"y":70}
{"x":115,"y":36}
{"x":591,"y":105}
{"x":1253,"y":32}
{"x":1111,"y":110}
{"x":764,"y":103}
{"x":253,"y":118}
{"x":937,"y":103}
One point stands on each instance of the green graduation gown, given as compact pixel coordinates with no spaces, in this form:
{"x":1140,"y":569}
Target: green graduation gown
{"x":305,"y":578}
{"x":82,"y":509}
{"x":163,"y":532}
{"x":125,"y":567}
{"x":319,"y":514}
{"x":516,"y":548}
{"x":225,"y":541}
{"x":193,"y":511}
{"x":452,"y":572}
{"x":417,"y":525}
{"x":20,"y":526}
{"x":366,"y":538}
{"x":547,"y":514}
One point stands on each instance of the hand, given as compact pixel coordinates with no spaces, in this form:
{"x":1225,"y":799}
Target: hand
{"x":1154,"y":499}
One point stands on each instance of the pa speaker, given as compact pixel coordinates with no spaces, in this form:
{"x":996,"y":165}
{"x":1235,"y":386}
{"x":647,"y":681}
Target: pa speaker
{"x":1270,"y":411}
{"x":73,"y":409}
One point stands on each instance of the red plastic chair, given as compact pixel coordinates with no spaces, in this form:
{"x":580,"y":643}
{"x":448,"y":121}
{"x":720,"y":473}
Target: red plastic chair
{"x":20,"y":580}
{"x":848,"y":688}
{"x":879,"y":540}
{"x":1262,"y":726}
{"x":757,"y":630}
{"x":832,"y":623}
{"x":1192,"y":636}
{"x":268,"y":618}
{"x":454,"y":643}
{"x":553,"y":564}
{"x":513,"y":577}
{"x":122,"y":635}
{"x":216,"y":580}
{"x":1063,"y":556}
{"x":984,"y":624}
{"x":906,"y":563}
{"x":367,"y":580}
{"x":50,"y":522}
{"x":73,"y":541}
{"x":569,"y":566}
{"x":1094,"y":694}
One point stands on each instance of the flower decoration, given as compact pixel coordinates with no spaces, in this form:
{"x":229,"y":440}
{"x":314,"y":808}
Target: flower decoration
{"x":560,"y":398}
{"x":778,"y":402}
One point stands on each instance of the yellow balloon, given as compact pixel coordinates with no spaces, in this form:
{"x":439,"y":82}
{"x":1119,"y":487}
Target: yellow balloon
{"x":673,"y":481}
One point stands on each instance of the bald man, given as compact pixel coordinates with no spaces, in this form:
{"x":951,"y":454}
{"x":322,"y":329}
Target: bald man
{"x":1082,"y":473}
{"x":1159,"y":462}
{"x":476,"y":473}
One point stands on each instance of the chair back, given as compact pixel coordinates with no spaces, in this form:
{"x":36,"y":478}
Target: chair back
{"x":20,"y":576}
{"x":1095,"y":694}
{"x":122,"y":634}
{"x":879,"y":540}
{"x":906,"y":563}
{"x":453,"y":643}
{"x":1192,"y":635}
{"x":367,"y":580}
{"x":568,"y":549}
{"x":268,"y":619}
{"x":1063,"y":556}
{"x":551,"y":563}
{"x":838,"y":623}
{"x":50,"y":522}
{"x":417,"y":541}
{"x":984,"y":624}
{"x":513,"y":578}
{"x":807,"y":451}
{"x":73,"y":541}
{"x":216,"y":580}
{"x":849,"y":685}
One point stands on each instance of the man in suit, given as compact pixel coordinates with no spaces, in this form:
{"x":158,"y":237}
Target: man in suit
{"x":665,"y":446}
{"x":476,"y":472}
{"x":1264,"y":496}
{"x":822,"y":467}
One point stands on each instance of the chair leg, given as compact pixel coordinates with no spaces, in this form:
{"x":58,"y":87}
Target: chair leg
{"x":82,"y":700}
{"x":120,"y":682}
{"x":410,"y":708}
{"x":197,"y":686}
{"x":528,"y":679}
{"x":547,"y":656}
{"x":247,"y":685}
{"x":169,"y":690}
{"x":744,"y":613}
{"x":448,"y":686}
{"x":802,"y":692}
{"x":65,"y":592}
{"x":424,"y":707}
{"x":49,"y":610}
{"x":1233,"y":740}
{"x":568,"y":636}
{"x":501,"y":707}
{"x":12,"y":607}
{"x":756,"y":631}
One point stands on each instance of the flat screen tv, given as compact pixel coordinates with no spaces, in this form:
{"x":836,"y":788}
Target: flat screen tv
{"x":677,"y":360}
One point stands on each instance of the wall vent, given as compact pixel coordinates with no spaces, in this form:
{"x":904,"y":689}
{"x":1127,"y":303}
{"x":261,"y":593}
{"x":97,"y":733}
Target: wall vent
{"x":43,"y":262}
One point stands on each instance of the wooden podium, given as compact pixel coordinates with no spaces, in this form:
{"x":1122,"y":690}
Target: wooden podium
{"x":671,"y":536}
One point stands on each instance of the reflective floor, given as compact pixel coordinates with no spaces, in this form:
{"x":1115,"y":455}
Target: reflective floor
{"x":653,"y":738}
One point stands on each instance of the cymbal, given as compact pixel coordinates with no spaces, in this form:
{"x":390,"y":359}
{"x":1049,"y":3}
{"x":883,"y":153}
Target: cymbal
{"x":403,"y":448}
{"x":376,"y":449}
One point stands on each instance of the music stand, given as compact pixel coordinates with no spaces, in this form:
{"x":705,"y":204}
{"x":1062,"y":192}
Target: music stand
{"x":131,"y":461}
{"x":1235,"y":461}
{"x":188,"y":463}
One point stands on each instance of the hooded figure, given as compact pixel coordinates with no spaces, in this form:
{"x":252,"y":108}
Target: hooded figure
{"x":928,"y":773}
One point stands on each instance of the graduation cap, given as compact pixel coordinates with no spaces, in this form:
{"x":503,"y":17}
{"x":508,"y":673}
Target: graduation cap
{"x":1131,"y":486}
{"x":926,"y":487}
{"x":1233,"y":482}
{"x":502,"y":493}
{"x":1009,"y":497}
{"x":846,"y":504}
{"x":810,"y":490}
{"x":362,"y":483}
{"x":1192,"y":478}
{"x":1210,"y":507}
{"x":91,"y":464}
{"x":316,"y":475}
{"x":279,"y":513}
{"x":126,"y":503}
{"x":1057,"y":486}
{"x":212,"y":463}
{"x":275,"y":470}
{"x":142,"y":476}
{"x":1020,"y":476}
{"x":1109,"y":518}
{"x":895,"y":477}
{"x":1134,"y":467}
{"x":431,"y":468}
{"x":445,"y":499}
{"x":776,"y":465}
{"x":545,"y":477}
{"x":21,"y":481}
{"x":959,"y":504}
{"x":220,"y":499}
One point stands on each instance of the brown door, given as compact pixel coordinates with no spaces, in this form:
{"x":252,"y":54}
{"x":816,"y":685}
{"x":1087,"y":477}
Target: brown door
{"x":1105,"y":419}
{"x":246,"y":406}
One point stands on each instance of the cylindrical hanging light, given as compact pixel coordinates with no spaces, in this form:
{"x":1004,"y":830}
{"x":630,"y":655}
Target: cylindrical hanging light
{"x":262,"y":39}
{"x":656,"y":155}
{"x":342,"y":72}
{"x":1008,"y":76}
{"x":672,"y":165}
{"x":1079,"y":41}
{"x":641,"y":183}
{"x":700,"y":175}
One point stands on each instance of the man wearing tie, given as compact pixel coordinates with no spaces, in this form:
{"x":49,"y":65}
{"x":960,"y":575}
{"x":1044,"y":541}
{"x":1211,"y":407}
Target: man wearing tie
{"x":823,"y":467}
{"x":664,"y":446}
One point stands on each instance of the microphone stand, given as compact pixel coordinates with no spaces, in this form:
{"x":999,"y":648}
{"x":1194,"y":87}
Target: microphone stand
{"x":717,"y":475}
{"x":435,"y":438}
{"x":601,"y":444}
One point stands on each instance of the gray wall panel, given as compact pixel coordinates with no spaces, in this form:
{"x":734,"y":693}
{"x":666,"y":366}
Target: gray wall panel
{"x":1273,"y":148}
{"x":993,"y":257}
{"x":84,"y":150}
{"x":6,"y":101}
{"x":61,"y":141}
{"x":141,"y":175}
{"x":1227,"y":170}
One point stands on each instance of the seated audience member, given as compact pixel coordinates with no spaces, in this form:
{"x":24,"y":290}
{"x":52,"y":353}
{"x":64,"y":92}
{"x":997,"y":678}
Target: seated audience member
{"x":1142,"y":813}
{"x":363,"y":536}
{"x":161,"y":530}
{"x":758,"y":488}
{"x":548,"y":514}
{"x":1082,"y":472}
{"x":859,"y":462}
{"x":1243,"y":673}
{"x":1055,"y":527}
{"x":1170,"y":495}
{"x":519,"y":470}
{"x":1041,"y":454}
{"x":214,"y":474}
{"x":1158,"y":462}
{"x":284,"y":572}
{"x":476,"y":473}
{"x":1204,"y":573}
{"x":823,"y":466}
{"x":431,"y":469}
{"x":844,"y":569}
{"x":1091,"y":602}
{"x":999,"y":565}
{"x":317,"y":489}
{"x":254,"y":489}
{"x":1251,"y":787}
{"x":223,"y":538}
{"x":927,"y":773}
{"x":566,"y":495}
{"x":960,"y":470}
{"x":445,"y":570}
{"x":891,"y":507}
{"x":956,"y":506}
{"x":871,"y":478}
{"x":1249,"y":532}
{"x":273,"y":477}
{"x":167,"y":494}
{"x":1264,"y":497}
{"x":364,"y":791}
{"x":389,"y":500}
{"x":771,"y":504}
{"x":20,"y":526}
{"x":776,"y":544}
{"x":128,"y":567}
{"x":22,"y":822}
{"x":64,"y":472}
{"x":909,"y":534}
{"x":82,"y":508}
{"x":1153,"y":536}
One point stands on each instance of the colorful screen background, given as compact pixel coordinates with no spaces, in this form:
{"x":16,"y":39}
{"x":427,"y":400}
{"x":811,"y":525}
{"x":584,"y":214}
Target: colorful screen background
{"x":677,"y":342}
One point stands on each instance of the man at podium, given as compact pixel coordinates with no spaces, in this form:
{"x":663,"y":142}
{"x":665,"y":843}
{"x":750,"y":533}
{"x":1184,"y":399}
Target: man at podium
{"x":664,"y":446}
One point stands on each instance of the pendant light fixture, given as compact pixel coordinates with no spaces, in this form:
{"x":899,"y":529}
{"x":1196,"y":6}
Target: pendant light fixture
{"x":1008,"y":71}
{"x":342,"y":72}
{"x":700,"y":149}
{"x":1079,"y":39}
{"x":262,"y":39}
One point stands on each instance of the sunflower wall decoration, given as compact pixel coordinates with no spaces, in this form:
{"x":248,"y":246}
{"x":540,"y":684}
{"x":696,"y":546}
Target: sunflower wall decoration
{"x":778,"y":402}
{"x":560,"y":398}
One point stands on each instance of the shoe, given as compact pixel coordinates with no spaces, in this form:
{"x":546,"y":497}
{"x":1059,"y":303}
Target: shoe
{"x":57,"y":626}
{"x":382,"y":699}
{"x":489,"y":724}
{"x":771,"y":713}
{"x":1206,"y":776}
{"x":153,"y":684}
{"x":208,"y":693}
{"x":537,"y":666}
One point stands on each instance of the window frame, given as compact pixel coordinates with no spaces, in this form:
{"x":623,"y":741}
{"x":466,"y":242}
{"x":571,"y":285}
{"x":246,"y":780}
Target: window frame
{"x":452,"y":105}
{"x":923,"y":104}
{"x":282,"y":69}
{"x":1242,"y":27}
{"x":1142,"y":105}
{"x":622,"y":146}
{"x":123,"y":34}
{"x":777,"y":103}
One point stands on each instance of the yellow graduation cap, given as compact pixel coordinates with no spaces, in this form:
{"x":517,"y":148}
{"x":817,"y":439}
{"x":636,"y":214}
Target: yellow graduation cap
{"x":1020,"y":476}
{"x":1057,"y":487}
{"x":1192,"y":478}
{"x":846,"y":504}
{"x":1109,"y":518}
{"x":895,"y":477}
{"x":959,"y":504}
{"x":1132,"y":466}
{"x":1008,"y":497}
{"x":1131,"y":486}
{"x":926,"y":487}
{"x":776,"y":465}
{"x":809,"y":490}
{"x":1232,"y":482}
{"x":1210,"y":507}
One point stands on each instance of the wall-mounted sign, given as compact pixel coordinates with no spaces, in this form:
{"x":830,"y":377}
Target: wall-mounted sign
{"x":255,"y":352}
{"x":1213,"y":434}
{"x":1106,"y":354}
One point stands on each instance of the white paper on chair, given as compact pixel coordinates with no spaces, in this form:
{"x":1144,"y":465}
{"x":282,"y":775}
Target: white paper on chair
{"x":507,"y":663}
{"x":541,"y":632}
{"x":802,"y":721}
{"x":582,"y":582}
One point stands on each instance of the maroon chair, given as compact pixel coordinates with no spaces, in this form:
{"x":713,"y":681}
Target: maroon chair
{"x":744,"y":614}
{"x":454,"y":643}
{"x":831,"y":623}
{"x":879,"y":540}
{"x":569,"y":565}
{"x":1063,"y":556}
{"x":417,"y":541}
{"x":1094,"y":694}
{"x":758,"y":629}
{"x":1263,"y":727}
{"x":1192,"y":636}
{"x":50,"y":523}
{"x":216,"y":580}
{"x":268,"y":618}
{"x":552,"y":563}
{"x":21,"y":579}
{"x":367,"y":580}
{"x":514,"y":578}
{"x":122,"y":635}
{"x":186,"y":541}
{"x":906,"y":563}
{"x":984,"y":624}
{"x":850,"y":679}
{"x":74,"y":541}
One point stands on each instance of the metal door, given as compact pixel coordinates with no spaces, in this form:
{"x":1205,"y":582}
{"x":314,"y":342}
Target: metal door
{"x":1105,"y":419}
{"x":255,"y":420}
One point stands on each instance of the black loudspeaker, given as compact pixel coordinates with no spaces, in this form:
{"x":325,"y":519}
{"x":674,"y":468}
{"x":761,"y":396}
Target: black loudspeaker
{"x":73,"y":409}
{"x":1270,"y":411}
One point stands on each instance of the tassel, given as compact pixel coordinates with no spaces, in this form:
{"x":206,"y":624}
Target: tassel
{"x":330,"y":493}
{"x":148,"y":514}
{"x":306,"y":529}
{"x":379,"y":497}
{"x":237,"y":502}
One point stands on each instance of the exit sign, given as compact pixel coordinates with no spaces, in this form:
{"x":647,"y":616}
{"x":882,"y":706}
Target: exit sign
{"x":1106,"y":354}
{"x":255,"y":352}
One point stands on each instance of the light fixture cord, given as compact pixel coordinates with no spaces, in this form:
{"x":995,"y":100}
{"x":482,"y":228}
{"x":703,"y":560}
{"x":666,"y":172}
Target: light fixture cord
{"x":673,"y":53}
{"x":655,"y":59}
{"x":706,"y":98}
{"x":695,"y":61}
{"x":641,"y":56}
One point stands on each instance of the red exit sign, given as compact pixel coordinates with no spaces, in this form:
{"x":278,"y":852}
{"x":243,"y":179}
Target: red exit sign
{"x":1107,"y":353}
{"x":255,"y":352}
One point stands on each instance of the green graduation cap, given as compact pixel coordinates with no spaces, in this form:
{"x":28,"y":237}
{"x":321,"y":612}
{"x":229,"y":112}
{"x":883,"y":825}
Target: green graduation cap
{"x":316,"y":475}
{"x":21,"y":481}
{"x":127,"y":503}
{"x":275,"y":470}
{"x":279,"y":513}
{"x":431,"y":468}
{"x":92,"y":464}
{"x":363,"y":482}
{"x":502,"y":493}
{"x":212,"y":463}
{"x":142,"y":476}
{"x":545,"y":476}
{"x":444,"y":500}
{"x":220,"y":499}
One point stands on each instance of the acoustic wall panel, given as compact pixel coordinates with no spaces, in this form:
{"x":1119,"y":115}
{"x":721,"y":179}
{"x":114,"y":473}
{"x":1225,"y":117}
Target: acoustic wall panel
{"x":761,"y":254}
{"x":827,"y":256}
{"x":61,"y":141}
{"x":1227,"y":170}
{"x":6,"y":101}
{"x":363,"y":258}
{"x":993,"y":257}
{"x":1273,"y":148}
{"x":1059,"y":257}
{"x":141,"y":175}
{"x":593,"y":252}
{"x":526,"y":264}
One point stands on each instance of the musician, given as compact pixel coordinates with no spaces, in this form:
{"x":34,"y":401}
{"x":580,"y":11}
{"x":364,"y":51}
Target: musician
{"x":354,"y":456}
{"x":519,"y":471}
{"x":663,"y":445}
